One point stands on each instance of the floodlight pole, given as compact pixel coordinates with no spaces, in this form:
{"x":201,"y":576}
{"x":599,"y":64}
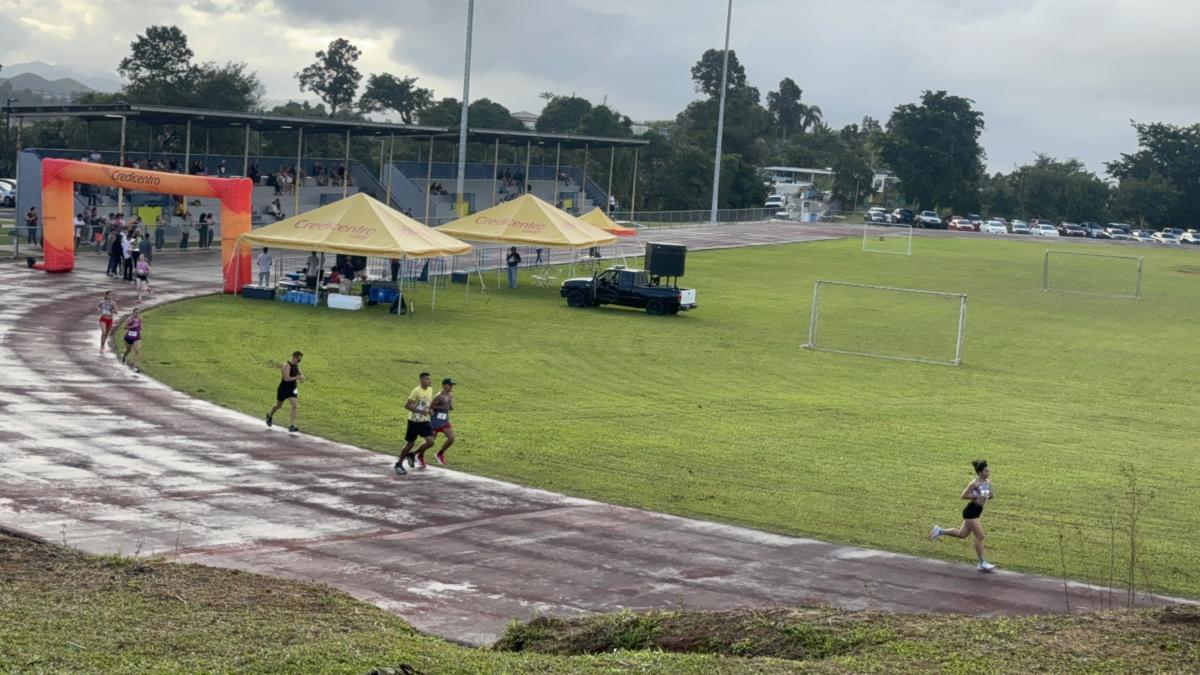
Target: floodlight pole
{"x":296,"y":183}
{"x":345,"y":167}
{"x":612,"y":159}
{"x":246,"y":154}
{"x":528,"y":180}
{"x":391,"y":155}
{"x":121,"y":163}
{"x":495,"y":171}
{"x":557,"y":159}
{"x":633,"y":197}
{"x":716,"y":187}
{"x":583,"y":185}
{"x":428,"y":179}
{"x":462,"y":125}
{"x":187,"y":150}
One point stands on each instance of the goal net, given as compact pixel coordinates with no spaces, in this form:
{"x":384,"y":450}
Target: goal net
{"x":886,"y":322}
{"x":879,"y":239}
{"x":1117,"y":276}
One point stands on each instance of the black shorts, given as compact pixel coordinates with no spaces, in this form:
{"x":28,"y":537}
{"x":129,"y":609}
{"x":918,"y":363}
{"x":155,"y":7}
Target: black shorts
{"x":285,"y":391}
{"x":972,"y":511}
{"x":417,"y":430}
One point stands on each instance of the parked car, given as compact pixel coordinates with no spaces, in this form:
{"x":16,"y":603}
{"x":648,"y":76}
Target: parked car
{"x":976,"y":220}
{"x":774,"y":202}
{"x":1144,"y":236}
{"x":1190,"y":237}
{"x":8,"y":194}
{"x":1043,"y":229}
{"x":993,"y":227}
{"x":903,"y":217}
{"x":1115,"y":227}
{"x":961,"y":224}
{"x":1019,"y":227}
{"x":1173,"y":230}
{"x":1094,"y":230}
{"x":876,"y":214}
{"x":930,"y":219}
{"x":1071,"y":229}
{"x":1165,"y":237}
{"x":1118,"y":236}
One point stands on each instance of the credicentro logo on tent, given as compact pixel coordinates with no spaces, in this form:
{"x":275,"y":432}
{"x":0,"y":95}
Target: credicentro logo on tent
{"x":120,"y":176}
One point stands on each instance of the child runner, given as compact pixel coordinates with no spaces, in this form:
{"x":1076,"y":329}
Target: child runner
{"x":439,"y":421}
{"x":142,"y":272}
{"x":978,"y":492}
{"x":133,"y":340}
{"x":108,"y":309}
{"x":417,"y":406}
{"x":288,"y":389}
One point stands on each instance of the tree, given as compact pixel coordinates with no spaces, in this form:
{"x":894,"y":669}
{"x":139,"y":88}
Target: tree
{"x":603,"y":121}
{"x":224,"y":87}
{"x":934,"y":150}
{"x":707,"y":73}
{"x":444,"y":113}
{"x":563,"y":114}
{"x":1146,"y":202}
{"x":488,"y":114}
{"x":810,"y":117}
{"x":786,"y":106}
{"x":1167,"y":155}
{"x":159,"y":67}
{"x":333,"y":76}
{"x":399,"y":95}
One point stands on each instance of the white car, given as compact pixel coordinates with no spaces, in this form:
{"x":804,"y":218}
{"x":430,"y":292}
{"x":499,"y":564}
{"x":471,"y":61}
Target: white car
{"x":1020,"y":227}
{"x":774,"y":202}
{"x":1043,"y":230}
{"x":1165,"y":238}
{"x":929,"y":219}
{"x":1190,"y":237}
{"x":993,"y":227}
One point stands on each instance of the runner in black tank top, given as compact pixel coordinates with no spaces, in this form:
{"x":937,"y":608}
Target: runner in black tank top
{"x":978,"y":492}
{"x":290,"y":379}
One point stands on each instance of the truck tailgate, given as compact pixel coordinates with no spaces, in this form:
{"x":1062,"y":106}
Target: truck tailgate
{"x":687,"y":297}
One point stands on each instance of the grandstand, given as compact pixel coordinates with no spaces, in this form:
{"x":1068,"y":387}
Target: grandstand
{"x":404,"y":183}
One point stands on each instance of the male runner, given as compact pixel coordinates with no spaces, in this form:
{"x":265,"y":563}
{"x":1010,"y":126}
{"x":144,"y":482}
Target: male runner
{"x":287,"y":389}
{"x":439,"y":422}
{"x":417,"y":406}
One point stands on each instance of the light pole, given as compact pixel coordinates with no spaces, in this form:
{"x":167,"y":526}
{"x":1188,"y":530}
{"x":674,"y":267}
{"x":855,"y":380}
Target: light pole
{"x":716,"y":188}
{"x":459,"y":207}
{"x":7,"y":126}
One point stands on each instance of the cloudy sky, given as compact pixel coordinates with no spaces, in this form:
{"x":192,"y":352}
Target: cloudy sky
{"x":1062,"y":77}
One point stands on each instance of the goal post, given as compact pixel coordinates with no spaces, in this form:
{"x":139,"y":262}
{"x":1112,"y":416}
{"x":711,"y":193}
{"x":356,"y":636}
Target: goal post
{"x":896,"y":239}
{"x":885,"y":322}
{"x":1117,"y":276}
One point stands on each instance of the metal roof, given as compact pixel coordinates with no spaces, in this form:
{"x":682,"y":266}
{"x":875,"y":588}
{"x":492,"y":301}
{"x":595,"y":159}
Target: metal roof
{"x":213,"y":119}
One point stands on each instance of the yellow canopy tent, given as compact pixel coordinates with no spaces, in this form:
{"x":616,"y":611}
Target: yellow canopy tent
{"x":528,"y":221}
{"x":601,"y":220}
{"x":357,"y":225}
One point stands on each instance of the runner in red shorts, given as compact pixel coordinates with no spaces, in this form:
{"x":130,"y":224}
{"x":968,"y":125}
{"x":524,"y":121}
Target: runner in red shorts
{"x":108,"y":309}
{"x":439,"y":421}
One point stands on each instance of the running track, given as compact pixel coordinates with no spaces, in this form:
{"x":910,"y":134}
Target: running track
{"x":112,"y":462}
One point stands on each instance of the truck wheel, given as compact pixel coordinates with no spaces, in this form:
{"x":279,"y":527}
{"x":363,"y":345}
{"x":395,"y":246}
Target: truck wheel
{"x":578,"y":299}
{"x":655,"y":307}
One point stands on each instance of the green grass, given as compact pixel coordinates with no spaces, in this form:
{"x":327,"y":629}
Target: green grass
{"x":66,"y":612}
{"x":719,"y":414}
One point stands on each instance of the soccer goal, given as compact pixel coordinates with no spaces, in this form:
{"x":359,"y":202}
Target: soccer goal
{"x":1117,"y":276}
{"x":879,"y":239}
{"x":886,"y":322}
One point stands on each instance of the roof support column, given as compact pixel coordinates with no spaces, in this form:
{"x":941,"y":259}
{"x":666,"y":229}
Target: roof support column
{"x":633,"y":198}
{"x":612,"y":159}
{"x":345,"y":168}
{"x":296,"y":182}
{"x":428,"y":179}
{"x":583,"y":185}
{"x":121,"y":162}
{"x":187,"y":149}
{"x":557,"y":159}
{"x":495,"y":169}
{"x":246,"y":153}
{"x":528,"y":154}
{"x":391,"y":154}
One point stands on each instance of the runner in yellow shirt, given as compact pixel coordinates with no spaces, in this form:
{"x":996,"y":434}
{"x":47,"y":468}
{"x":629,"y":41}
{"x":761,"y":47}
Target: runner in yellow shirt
{"x":417,"y":406}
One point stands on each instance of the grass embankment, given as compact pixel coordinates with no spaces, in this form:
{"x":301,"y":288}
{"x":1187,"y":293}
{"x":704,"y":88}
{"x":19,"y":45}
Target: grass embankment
{"x":719,"y":414}
{"x":65,"y":611}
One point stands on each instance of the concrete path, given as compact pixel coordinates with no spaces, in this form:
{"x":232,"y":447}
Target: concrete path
{"x":97,"y":457}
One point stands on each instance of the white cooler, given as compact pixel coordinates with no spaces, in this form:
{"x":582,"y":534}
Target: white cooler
{"x":339,"y":301}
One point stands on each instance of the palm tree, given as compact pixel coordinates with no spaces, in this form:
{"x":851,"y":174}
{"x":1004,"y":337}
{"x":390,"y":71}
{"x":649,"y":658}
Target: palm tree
{"x":809,"y":116}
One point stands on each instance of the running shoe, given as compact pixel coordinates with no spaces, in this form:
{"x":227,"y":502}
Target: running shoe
{"x":270,"y":422}
{"x":420,"y":463}
{"x":399,"y":467}
{"x":935,"y":532}
{"x":985,"y":566}
{"x":293,"y":429}
{"x":136,"y":369}
{"x":441,"y":457}
{"x":412,"y":461}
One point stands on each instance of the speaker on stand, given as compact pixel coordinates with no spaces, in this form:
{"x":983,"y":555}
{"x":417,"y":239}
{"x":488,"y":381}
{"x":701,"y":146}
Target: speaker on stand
{"x":665,"y":260}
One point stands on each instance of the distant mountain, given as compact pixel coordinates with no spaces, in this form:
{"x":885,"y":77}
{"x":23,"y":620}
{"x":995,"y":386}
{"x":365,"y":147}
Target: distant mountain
{"x":37,"y":84}
{"x":94,"y":81}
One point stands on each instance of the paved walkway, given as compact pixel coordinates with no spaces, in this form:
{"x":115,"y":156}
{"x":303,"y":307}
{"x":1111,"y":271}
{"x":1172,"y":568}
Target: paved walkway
{"x":112,"y":462}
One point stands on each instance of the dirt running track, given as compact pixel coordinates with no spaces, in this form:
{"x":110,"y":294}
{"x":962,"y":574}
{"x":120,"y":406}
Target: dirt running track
{"x":108,"y":461}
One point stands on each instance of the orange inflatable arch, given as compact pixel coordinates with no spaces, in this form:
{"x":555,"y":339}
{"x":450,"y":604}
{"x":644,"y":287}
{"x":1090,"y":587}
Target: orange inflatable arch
{"x":59,"y":177}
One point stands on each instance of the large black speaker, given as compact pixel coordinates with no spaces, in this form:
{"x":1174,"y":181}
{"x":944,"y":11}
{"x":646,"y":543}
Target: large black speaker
{"x":665,"y":260}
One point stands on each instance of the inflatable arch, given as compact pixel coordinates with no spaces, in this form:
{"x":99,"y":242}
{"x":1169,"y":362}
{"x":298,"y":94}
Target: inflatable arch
{"x":59,"y":177}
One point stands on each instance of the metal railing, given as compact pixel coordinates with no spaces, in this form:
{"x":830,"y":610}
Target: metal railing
{"x":692,"y":218}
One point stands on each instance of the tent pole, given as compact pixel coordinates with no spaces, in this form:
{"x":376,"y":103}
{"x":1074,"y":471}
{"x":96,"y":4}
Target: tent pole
{"x":345,"y":167}
{"x":557,"y":157}
{"x":433,"y":303}
{"x":296,"y":182}
{"x":583,"y":185}
{"x":428,"y":179}
{"x":528,"y":155}
{"x":391,"y":154}
{"x":633,"y":198}
{"x":495,"y":170}
{"x":612,"y":159}
{"x":320,"y":273}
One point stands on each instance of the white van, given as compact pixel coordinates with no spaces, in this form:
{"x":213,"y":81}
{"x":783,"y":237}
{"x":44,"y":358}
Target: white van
{"x":775,"y":202}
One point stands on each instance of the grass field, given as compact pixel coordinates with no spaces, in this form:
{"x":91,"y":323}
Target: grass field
{"x":719,"y":414}
{"x":67,"y":612}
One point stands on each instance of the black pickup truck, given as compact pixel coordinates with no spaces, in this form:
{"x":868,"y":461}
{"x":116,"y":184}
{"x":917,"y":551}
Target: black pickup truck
{"x":629,"y":288}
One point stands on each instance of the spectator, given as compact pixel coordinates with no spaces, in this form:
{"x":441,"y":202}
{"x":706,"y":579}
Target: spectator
{"x":394,"y":263}
{"x":222,"y":170}
{"x":264,"y":267}
{"x":145,"y":250}
{"x":512,"y":260}
{"x":113,"y":246}
{"x":80,"y":229}
{"x":275,"y":209}
{"x":160,"y":232}
{"x":252,"y":173}
{"x":127,"y":256}
{"x":612,"y":204}
{"x":186,"y":230}
{"x":31,"y":226}
{"x":312,"y":270}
